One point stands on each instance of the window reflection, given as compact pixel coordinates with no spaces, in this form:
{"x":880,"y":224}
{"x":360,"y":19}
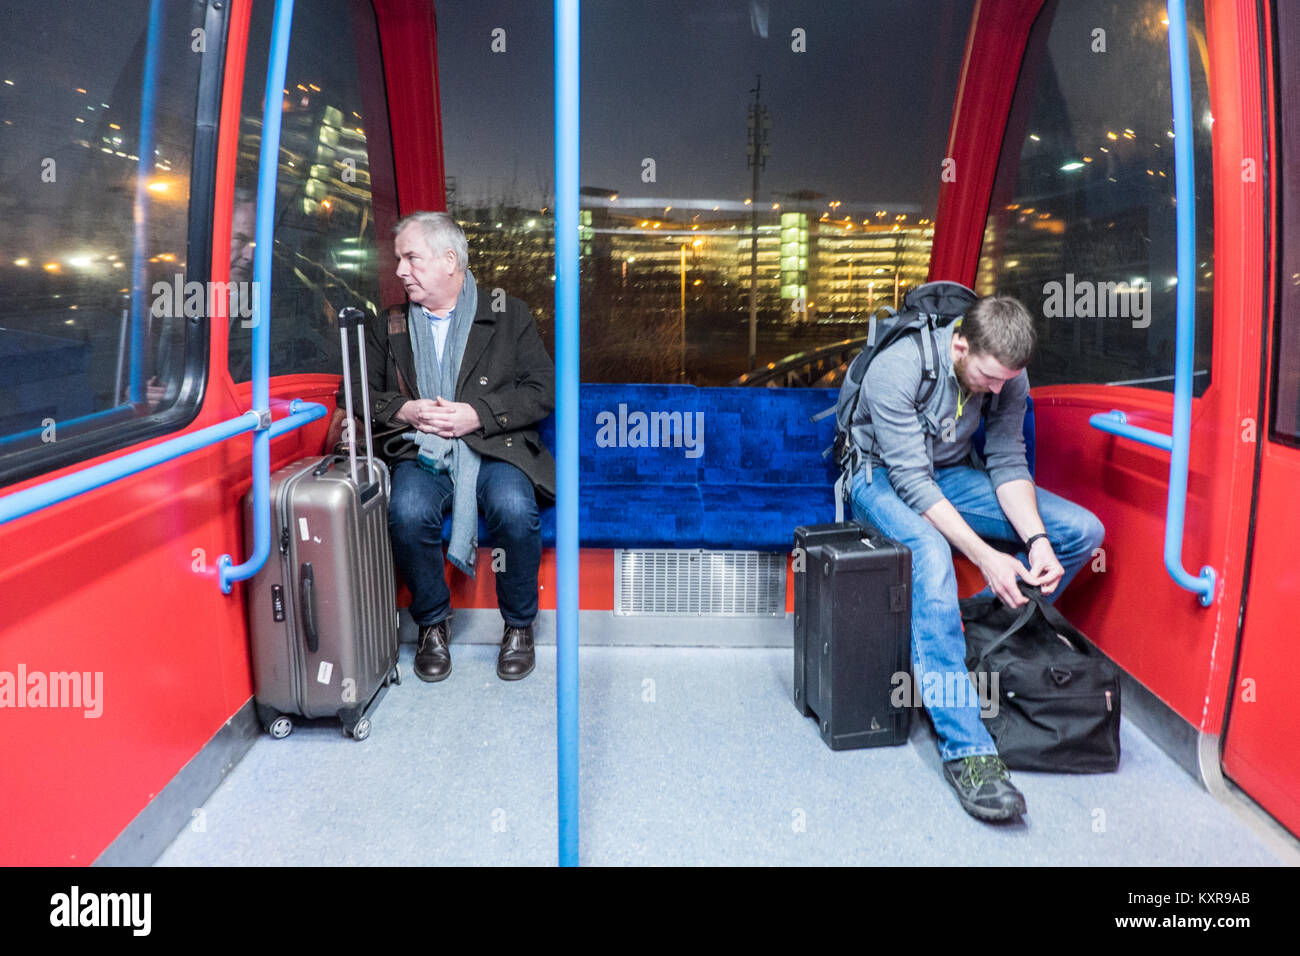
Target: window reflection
{"x":844,"y":204}
{"x":78,"y":352}
{"x":1286,"y":349}
{"x":335,"y":195}
{"x":1081,"y":225}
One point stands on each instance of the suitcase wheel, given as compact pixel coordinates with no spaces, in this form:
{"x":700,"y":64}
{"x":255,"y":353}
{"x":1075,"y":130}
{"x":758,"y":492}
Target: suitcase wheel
{"x":280,"y":728}
{"x":395,"y":677}
{"x":360,"y":730}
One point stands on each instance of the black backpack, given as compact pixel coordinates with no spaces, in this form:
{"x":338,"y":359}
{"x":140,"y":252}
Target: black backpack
{"x":926,"y":309}
{"x":1058,"y":698}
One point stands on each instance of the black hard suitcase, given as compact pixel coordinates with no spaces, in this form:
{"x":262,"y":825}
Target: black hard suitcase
{"x":852,"y":633}
{"x":323,"y":611}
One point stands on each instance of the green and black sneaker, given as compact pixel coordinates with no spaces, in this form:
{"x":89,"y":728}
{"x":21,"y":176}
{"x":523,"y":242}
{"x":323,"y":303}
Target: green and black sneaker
{"x":984,"y":787}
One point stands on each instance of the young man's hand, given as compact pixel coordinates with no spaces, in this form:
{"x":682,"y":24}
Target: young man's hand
{"x":1045,"y":571}
{"x":1000,"y":571}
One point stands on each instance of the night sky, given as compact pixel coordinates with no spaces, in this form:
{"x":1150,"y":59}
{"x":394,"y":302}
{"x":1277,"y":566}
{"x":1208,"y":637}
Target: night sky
{"x":861,"y":116}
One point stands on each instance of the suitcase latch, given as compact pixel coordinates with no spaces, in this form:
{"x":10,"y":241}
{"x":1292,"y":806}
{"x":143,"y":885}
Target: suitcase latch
{"x":897,"y":598}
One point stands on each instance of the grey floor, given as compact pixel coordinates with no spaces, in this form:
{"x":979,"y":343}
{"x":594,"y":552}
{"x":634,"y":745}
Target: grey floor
{"x":688,"y":756}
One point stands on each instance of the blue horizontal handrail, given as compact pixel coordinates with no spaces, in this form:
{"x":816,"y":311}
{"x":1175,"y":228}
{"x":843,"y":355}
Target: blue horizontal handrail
{"x":29,"y":500}
{"x":1116,"y":423}
{"x":1178,"y":444}
{"x":258,"y":418}
{"x":99,"y":418}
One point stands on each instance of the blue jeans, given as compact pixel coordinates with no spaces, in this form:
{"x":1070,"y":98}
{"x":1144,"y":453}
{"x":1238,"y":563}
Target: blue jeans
{"x":938,"y":645}
{"x":505,"y":495}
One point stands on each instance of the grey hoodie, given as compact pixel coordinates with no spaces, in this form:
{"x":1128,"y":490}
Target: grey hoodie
{"x":891,"y":431}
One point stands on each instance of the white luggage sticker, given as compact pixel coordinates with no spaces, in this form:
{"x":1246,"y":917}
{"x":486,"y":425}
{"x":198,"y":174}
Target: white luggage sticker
{"x":302,"y":529}
{"x":323,"y":672}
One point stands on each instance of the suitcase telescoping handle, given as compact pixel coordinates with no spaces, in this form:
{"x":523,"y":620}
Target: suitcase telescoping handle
{"x":307,"y":596}
{"x":353,"y":318}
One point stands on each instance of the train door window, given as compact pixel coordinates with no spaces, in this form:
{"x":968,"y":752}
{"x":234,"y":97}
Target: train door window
{"x":1081,"y":225}
{"x":105,"y":190}
{"x":1285,"y":424}
{"x":853,"y":104}
{"x":336,"y":198}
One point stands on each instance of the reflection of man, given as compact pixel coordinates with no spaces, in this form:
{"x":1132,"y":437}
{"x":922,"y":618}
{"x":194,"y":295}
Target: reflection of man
{"x":305,"y":296}
{"x":922,"y":490}
{"x":243,"y":226}
{"x":466,"y":371}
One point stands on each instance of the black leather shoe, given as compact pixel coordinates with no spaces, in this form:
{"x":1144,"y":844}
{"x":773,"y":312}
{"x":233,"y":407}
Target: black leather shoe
{"x":432,"y":658}
{"x":516,"y":660}
{"x":984,"y":788}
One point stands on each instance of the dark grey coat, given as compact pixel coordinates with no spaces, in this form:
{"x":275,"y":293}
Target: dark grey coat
{"x":506,"y":375}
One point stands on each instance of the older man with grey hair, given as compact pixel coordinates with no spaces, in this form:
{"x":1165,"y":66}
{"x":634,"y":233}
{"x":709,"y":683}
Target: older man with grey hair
{"x":459,"y":379}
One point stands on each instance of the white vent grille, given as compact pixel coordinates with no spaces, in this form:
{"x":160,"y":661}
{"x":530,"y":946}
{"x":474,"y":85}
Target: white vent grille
{"x":700,"y":583}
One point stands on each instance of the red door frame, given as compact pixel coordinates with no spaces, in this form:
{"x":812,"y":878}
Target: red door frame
{"x":1258,"y":746}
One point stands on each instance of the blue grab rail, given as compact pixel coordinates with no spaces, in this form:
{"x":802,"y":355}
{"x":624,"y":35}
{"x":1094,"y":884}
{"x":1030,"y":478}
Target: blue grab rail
{"x":566,"y":426}
{"x":140,"y":213}
{"x":1115,"y":422}
{"x":257,"y":419}
{"x":33,"y":499}
{"x":268,"y":171}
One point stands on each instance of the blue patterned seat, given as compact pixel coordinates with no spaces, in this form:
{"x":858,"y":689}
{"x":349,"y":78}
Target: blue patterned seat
{"x":755,"y":472}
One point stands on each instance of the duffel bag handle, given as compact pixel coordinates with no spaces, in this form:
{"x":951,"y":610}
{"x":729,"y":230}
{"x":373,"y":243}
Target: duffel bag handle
{"x":1021,"y":620}
{"x":1055,"y":618}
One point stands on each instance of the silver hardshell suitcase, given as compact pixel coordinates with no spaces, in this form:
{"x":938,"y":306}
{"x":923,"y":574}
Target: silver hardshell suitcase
{"x":323,"y":611}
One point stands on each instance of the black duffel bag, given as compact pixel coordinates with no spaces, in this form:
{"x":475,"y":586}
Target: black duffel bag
{"x":1058,"y":698}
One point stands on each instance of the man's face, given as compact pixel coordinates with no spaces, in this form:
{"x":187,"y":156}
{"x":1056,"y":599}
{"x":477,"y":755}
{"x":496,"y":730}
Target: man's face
{"x":977,"y":372}
{"x":431,"y":279}
{"x":243,"y":225}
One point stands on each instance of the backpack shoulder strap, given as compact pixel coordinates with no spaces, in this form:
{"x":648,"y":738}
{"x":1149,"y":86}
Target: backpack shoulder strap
{"x":929,"y":361}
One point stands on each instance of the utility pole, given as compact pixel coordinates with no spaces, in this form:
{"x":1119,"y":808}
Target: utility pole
{"x":683,"y":313}
{"x":758,"y":124}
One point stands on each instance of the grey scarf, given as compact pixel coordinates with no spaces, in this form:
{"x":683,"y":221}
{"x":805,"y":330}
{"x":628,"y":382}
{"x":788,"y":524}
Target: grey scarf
{"x":452,"y":455}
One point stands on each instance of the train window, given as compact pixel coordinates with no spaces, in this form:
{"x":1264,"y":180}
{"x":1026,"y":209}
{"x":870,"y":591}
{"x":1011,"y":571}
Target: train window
{"x":336,"y":197}
{"x":1286,"y":338}
{"x":854,"y":102}
{"x":1081,"y":225}
{"x":103,"y":183}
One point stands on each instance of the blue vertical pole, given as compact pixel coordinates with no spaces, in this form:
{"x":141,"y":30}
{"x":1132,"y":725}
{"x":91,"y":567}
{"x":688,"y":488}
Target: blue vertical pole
{"x":566,"y":429}
{"x":268,"y":171}
{"x":143,"y":173}
{"x":1185,"y":341}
